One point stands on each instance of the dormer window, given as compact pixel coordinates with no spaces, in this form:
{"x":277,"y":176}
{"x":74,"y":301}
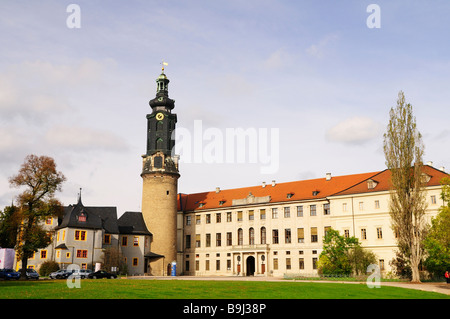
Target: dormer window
{"x":371,"y":184}
{"x":289,"y":195}
{"x":201,"y":204}
{"x":82,"y":217}
{"x":315,"y":193}
{"x":221,"y":202}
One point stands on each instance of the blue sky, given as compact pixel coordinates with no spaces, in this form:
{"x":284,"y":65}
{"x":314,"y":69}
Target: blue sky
{"x":311,"y":69}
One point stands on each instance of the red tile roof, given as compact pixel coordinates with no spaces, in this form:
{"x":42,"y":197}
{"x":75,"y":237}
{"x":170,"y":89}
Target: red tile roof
{"x":300,"y":190}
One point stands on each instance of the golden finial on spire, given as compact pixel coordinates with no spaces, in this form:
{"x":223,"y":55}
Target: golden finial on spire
{"x":163,"y":64}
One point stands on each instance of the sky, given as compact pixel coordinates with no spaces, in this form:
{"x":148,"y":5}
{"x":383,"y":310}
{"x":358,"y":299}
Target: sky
{"x":309,"y":84}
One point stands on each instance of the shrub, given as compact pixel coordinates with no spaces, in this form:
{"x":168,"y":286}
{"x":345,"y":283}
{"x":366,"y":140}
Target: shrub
{"x":48,"y":267}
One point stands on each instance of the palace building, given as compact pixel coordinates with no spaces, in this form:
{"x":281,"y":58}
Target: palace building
{"x":270,"y":230}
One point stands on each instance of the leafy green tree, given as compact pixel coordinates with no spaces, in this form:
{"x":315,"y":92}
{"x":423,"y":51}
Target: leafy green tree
{"x":343,"y":255}
{"x":437,"y":242}
{"x":9,"y":225}
{"x":403,"y":149}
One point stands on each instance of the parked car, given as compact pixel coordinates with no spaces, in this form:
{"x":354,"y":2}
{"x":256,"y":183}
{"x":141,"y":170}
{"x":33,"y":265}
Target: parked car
{"x":60,"y":274}
{"x":81,"y":273}
{"x":9,"y":274}
{"x":101,"y":274}
{"x":31,"y":274}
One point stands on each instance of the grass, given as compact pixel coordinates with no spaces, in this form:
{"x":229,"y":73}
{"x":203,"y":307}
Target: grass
{"x":185,"y":289}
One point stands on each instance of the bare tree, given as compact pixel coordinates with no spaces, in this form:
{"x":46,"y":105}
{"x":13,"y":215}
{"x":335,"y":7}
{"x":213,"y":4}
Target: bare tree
{"x":36,"y":203}
{"x":403,"y":149}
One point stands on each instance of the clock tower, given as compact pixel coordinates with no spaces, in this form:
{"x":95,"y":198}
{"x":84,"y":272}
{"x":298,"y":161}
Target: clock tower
{"x":160,"y":180}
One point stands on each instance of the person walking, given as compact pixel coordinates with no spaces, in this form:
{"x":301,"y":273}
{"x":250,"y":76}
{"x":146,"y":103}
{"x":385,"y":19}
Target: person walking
{"x":447,"y":276}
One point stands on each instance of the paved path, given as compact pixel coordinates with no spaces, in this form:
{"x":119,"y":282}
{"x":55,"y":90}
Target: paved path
{"x":442,"y":288}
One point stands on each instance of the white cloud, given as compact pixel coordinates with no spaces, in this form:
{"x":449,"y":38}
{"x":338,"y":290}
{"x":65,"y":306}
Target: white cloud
{"x":355,"y":130}
{"x":319,"y":50}
{"x":77,"y":138}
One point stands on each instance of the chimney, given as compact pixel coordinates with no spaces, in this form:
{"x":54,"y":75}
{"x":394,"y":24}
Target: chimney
{"x":442,"y":168}
{"x":273,"y":183}
{"x":430,"y":163}
{"x":328,"y":176}
{"x":263,"y":184}
{"x":217,"y":190}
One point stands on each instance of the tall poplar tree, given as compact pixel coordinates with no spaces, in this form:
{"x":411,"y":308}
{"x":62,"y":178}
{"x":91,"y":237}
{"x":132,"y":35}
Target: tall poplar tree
{"x":403,"y":149}
{"x":39,"y":177}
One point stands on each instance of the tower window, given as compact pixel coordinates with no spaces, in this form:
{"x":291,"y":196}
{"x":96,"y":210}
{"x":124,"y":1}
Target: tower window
{"x":167,"y":192}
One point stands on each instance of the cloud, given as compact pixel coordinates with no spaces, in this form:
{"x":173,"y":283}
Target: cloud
{"x":318,"y":50}
{"x":355,"y":131}
{"x":77,"y":138}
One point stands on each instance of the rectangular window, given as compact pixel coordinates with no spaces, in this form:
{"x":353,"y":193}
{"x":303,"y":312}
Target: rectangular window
{"x":197,"y":219}
{"x":207,"y":264}
{"x":262,"y":213}
{"x":287,"y":212}
{"x":363,"y":233}
{"x":218,"y":217}
{"x":188,"y":220}
{"x":208,"y":218}
{"x":275,"y":264}
{"x":312,"y":210}
{"x":188,"y":241}
{"x":300,"y":235}
{"x":344,"y":207}
{"x":43,"y":254}
{"x":218,"y":239}
{"x":433,"y":199}
{"x":229,"y":217}
{"x":275,"y":236}
{"x":314,"y":236}
{"x":135,"y":262}
{"x":288,"y":263}
{"x":251,"y":215}
{"x":301,"y":263}
{"x":326,"y":209}
{"x":287,"y":235}
{"x":274,"y":213}
{"x":314,"y":262}
{"x":82,"y":253}
{"x":346,"y":233}
{"x":300,"y":211}
{"x":124,"y":240}
{"x":218,"y":264}
{"x":379,"y":233}
{"x":229,"y":239}
{"x":136,"y":241}
{"x":80,"y":235}
{"x":239,"y":216}
{"x":377,"y":204}
{"x":326,"y":229}
{"x":208,"y":240}
{"x":107,"y":239}
{"x":197,"y":240}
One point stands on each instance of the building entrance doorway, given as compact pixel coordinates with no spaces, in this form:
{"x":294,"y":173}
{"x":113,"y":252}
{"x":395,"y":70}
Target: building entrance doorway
{"x":250,"y":266}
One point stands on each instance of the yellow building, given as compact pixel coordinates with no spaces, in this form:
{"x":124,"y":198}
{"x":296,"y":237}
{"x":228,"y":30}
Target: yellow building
{"x":277,"y":228}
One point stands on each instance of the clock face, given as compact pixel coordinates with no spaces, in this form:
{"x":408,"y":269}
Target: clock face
{"x":159,"y":116}
{"x":160,"y":99}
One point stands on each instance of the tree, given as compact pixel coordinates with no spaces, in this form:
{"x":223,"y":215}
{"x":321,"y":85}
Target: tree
{"x":403,"y":149}
{"x":9,"y":225}
{"x":36,"y":204}
{"x":437,"y":242}
{"x":343,"y":255}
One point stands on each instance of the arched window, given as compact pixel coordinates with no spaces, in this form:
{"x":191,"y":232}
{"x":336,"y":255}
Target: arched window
{"x":251,"y":236}
{"x":263,"y":235}
{"x":240,"y":236}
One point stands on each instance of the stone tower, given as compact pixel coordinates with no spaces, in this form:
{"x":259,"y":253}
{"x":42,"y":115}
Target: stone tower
{"x":160,"y":179}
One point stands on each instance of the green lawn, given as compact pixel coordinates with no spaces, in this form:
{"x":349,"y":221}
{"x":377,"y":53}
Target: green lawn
{"x":185,"y":289}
